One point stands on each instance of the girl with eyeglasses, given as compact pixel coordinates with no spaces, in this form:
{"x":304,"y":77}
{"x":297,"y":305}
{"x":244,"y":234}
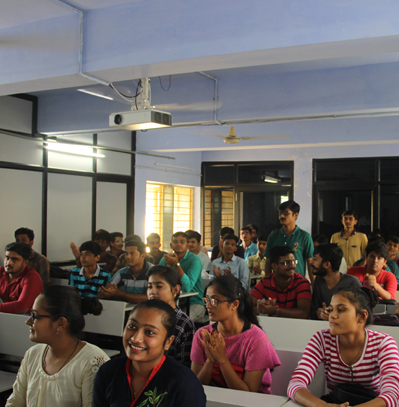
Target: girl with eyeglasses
{"x":233,"y":352}
{"x":164,"y":284}
{"x":361,"y":366}
{"x":60,"y":370}
{"x":145,"y":376}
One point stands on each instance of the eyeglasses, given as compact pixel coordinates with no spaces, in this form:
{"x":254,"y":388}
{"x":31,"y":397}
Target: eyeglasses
{"x":285,"y":213}
{"x":288,"y":262}
{"x":213,"y":301}
{"x":34,"y":317}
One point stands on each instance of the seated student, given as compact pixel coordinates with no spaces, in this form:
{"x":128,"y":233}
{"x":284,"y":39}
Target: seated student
{"x":393,"y":247}
{"x":90,"y":277}
{"x":217,"y":250}
{"x":145,"y":376}
{"x":19,"y":283}
{"x":233,"y":352}
{"x":116,"y":244}
{"x":254,"y":234}
{"x":283,"y":293}
{"x":60,"y":370}
{"x":352,"y":355}
{"x":325,"y":264}
{"x":256,"y":263}
{"x":229,"y":263}
{"x":36,"y":260}
{"x":373,"y":275}
{"x":193,"y":245}
{"x":130,"y":283}
{"x":154,"y":243}
{"x":107,"y":260}
{"x":121,"y":262}
{"x":321,"y":239}
{"x":249,"y":248}
{"x":189,"y":268}
{"x":164,"y":284}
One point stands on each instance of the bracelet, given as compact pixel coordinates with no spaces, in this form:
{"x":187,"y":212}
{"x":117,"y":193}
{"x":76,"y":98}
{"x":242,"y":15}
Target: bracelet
{"x":178,"y":264}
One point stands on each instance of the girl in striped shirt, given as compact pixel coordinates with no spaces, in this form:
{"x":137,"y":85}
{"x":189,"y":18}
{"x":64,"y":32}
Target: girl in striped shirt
{"x":351,"y":353}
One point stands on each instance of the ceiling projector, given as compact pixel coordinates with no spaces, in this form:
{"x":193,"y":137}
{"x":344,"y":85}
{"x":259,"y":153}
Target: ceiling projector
{"x":140,"y":119}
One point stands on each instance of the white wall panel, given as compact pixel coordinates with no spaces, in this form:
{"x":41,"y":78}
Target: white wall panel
{"x":20,"y":205}
{"x":68,"y":214}
{"x":21,"y":151}
{"x":111,"y":207}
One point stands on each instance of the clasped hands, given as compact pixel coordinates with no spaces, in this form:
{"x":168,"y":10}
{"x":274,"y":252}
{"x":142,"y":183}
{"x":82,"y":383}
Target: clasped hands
{"x":109,"y":291}
{"x":267,"y":306}
{"x":218,"y":272}
{"x":214,"y":345}
{"x":171,"y":259}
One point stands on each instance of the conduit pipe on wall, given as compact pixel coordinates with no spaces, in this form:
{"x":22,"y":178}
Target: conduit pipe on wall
{"x":215,"y":96}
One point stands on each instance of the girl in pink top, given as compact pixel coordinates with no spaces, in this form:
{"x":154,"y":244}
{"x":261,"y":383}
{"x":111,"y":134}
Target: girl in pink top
{"x":233,"y":352}
{"x":350,"y":354}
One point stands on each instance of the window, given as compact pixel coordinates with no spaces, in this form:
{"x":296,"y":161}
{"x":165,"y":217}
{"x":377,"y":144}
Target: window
{"x":169,"y":209}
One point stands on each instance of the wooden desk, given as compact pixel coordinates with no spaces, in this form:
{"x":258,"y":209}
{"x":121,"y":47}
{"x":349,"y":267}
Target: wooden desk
{"x":6,"y":380}
{"x":187,"y":297}
{"x":220,"y":397}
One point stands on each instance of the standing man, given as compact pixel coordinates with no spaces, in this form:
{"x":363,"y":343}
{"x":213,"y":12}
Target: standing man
{"x":130,"y":283}
{"x":36,"y":260}
{"x":193,"y":245}
{"x":352,"y":243}
{"x":325,"y":263}
{"x":283,"y":293}
{"x":373,"y":275}
{"x":19,"y":283}
{"x":292,"y":236}
{"x":154,"y":244}
{"x":246,"y":238}
{"x":231,"y":264}
{"x":90,"y":277}
{"x":189,"y":268}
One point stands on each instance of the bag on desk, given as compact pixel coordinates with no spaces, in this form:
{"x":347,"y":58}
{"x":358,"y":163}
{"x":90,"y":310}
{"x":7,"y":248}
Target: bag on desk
{"x":386,"y":319}
{"x":353,"y":393}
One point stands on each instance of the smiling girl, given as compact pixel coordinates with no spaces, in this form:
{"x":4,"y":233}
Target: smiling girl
{"x":60,"y":370}
{"x":352,"y":354}
{"x":164,"y":284}
{"x":233,"y":352}
{"x":145,"y":376}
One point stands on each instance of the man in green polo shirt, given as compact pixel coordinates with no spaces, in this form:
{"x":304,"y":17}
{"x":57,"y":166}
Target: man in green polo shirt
{"x":293,"y":236}
{"x":189,"y":267}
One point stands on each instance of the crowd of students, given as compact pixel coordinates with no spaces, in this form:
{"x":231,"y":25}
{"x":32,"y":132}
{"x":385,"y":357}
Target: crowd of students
{"x":167,"y":359}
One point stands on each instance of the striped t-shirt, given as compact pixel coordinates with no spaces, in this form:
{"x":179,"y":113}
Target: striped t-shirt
{"x":298,"y":289}
{"x":377,"y":369}
{"x":125,"y":280}
{"x":89,"y":288}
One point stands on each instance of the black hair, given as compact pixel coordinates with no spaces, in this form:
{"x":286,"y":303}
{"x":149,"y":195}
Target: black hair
{"x":153,"y":236}
{"x":192,"y":234}
{"x":23,"y":249}
{"x":231,"y":237}
{"x":375,"y":237}
{"x":247,"y":228}
{"x":133,"y":237}
{"x":114,"y":235}
{"x":379,"y":247}
{"x":226,"y":231}
{"x":330,"y":252}
{"x":362,"y":299}
{"x":102,"y":234}
{"x":25,"y":231}
{"x":232,"y":288}
{"x":393,"y":239}
{"x":350,"y":212}
{"x":170,"y":275}
{"x":320,"y":239}
{"x":289,"y":205}
{"x":178,"y":234}
{"x":91,"y":247}
{"x":138,"y":243}
{"x":65,"y":301}
{"x":279,"y":251}
{"x":262,"y":238}
{"x":252,"y":226}
{"x":169,"y":315}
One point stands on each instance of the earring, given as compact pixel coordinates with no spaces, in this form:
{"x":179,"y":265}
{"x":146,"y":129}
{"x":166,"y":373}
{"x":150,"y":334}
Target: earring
{"x":58,"y":330}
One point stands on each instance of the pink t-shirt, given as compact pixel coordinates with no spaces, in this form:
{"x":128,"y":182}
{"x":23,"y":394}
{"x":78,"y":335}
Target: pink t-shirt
{"x":250,"y":350}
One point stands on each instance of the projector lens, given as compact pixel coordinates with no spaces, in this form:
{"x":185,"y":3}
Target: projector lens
{"x":118,"y":119}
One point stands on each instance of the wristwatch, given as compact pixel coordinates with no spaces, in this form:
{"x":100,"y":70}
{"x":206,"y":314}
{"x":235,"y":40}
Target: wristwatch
{"x":178,"y":264}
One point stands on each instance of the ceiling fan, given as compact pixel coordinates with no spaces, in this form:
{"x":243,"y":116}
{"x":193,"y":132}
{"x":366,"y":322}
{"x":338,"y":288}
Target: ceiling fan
{"x":232,"y":137}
